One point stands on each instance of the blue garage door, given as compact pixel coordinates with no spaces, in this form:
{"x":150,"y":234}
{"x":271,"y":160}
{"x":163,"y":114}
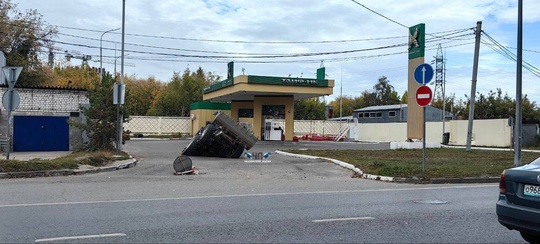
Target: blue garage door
{"x":40,"y":133}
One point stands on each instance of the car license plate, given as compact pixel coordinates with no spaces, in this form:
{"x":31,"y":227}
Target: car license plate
{"x":533,"y":191}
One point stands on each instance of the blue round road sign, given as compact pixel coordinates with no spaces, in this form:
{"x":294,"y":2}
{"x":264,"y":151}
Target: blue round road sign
{"x":423,"y":74}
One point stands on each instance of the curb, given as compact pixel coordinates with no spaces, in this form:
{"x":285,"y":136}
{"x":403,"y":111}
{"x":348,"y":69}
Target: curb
{"x":47,"y":173}
{"x":469,"y":180}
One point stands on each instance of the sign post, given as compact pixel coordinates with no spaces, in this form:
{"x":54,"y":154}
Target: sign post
{"x":416,"y":46}
{"x":423,"y":75}
{"x":11,"y":99}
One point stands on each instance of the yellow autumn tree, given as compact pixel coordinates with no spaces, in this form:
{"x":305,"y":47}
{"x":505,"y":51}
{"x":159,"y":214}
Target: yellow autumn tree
{"x":141,"y":93}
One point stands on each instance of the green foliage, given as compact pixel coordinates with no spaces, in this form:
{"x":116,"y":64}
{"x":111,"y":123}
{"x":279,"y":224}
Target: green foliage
{"x":494,"y":105}
{"x":491,"y":106}
{"x":23,"y":34}
{"x":101,"y":116}
{"x":405,"y":98}
{"x":383,"y":94}
{"x":141,"y":94}
{"x":180,"y":92}
{"x":309,"y":109}
{"x":348,"y":103}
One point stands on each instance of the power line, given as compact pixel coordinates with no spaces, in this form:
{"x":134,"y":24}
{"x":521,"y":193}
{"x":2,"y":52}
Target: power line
{"x":377,"y":13}
{"x":239,"y":41}
{"x":497,"y":47}
{"x":259,"y":56}
{"x":170,"y":58}
{"x":262,"y":42}
{"x":451,"y":37}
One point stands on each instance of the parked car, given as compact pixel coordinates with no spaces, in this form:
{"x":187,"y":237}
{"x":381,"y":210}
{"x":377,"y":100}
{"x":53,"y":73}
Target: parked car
{"x":518,"y":207}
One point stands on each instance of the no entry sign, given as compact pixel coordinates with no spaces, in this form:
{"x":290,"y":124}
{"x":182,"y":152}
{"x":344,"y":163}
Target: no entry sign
{"x":423,"y":96}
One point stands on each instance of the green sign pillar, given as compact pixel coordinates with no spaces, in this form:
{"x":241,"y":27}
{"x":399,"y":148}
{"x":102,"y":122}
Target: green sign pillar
{"x":415,"y":113}
{"x":230,"y":70}
{"x":321,"y":73}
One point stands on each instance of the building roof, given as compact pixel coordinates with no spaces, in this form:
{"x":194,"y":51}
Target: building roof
{"x":46,"y":87}
{"x":382,"y":107}
{"x":344,"y":118}
{"x":247,"y":87}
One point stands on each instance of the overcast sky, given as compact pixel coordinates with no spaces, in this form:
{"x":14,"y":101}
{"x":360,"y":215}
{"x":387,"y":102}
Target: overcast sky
{"x":356,"y":45}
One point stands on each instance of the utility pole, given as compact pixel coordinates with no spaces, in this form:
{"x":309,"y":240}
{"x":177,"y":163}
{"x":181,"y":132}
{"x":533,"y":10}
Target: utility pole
{"x":440,"y":82}
{"x":119,"y":119}
{"x":341,"y":97}
{"x":473,"y":83}
{"x":518,"y":131}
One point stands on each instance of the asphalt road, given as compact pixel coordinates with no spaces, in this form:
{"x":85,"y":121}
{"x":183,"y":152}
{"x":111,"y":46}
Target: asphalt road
{"x":282,"y":201}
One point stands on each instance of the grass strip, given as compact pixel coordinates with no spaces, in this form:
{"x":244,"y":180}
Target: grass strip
{"x":71,"y":161}
{"x":440,"y":162}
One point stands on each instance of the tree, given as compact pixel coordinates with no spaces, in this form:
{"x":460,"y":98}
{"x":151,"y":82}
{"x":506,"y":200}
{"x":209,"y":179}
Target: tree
{"x":141,"y":94}
{"x":348,"y":103}
{"x":309,"y":109}
{"x":168,"y":100}
{"x":101,"y":122}
{"x":23,"y":36}
{"x":180,"y":92}
{"x":73,"y":76}
{"x":405,"y":98}
{"x":385,"y":93}
{"x":369,"y":99}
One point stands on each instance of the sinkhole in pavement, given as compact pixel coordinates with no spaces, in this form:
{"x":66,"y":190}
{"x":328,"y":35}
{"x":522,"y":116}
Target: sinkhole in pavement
{"x":436,"y":201}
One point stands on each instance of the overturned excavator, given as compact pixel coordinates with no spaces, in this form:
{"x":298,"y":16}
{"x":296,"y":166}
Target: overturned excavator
{"x":223,"y":137}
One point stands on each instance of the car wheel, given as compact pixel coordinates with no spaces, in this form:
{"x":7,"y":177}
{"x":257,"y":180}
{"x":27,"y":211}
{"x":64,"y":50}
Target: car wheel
{"x":530,"y":238}
{"x":192,"y":149}
{"x":207,"y":135}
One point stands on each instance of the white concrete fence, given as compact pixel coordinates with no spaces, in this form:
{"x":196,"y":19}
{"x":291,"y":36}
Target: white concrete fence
{"x":493,"y":133}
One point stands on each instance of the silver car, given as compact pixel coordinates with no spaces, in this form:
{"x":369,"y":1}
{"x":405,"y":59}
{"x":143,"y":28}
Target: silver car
{"x":518,"y":207}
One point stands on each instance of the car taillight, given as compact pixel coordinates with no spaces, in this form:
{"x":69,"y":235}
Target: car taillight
{"x":502,"y":183}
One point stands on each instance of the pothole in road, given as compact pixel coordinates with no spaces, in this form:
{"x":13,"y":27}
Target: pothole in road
{"x":436,"y":201}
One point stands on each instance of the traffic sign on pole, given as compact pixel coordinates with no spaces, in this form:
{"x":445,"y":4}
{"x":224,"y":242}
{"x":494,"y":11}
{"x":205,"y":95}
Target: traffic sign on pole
{"x":11,"y":100}
{"x":12,"y":74}
{"x":423,"y":96}
{"x":423,"y":74}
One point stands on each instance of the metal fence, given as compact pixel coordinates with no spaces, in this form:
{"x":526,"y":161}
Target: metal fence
{"x":173,"y":125}
{"x":150,"y":125}
{"x":319,"y":127}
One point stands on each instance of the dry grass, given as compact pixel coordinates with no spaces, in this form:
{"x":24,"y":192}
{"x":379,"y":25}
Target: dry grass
{"x":71,"y":161}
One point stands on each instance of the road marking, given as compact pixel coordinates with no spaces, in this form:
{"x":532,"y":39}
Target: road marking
{"x":341,"y":219}
{"x":80,"y":237}
{"x":243,"y":195}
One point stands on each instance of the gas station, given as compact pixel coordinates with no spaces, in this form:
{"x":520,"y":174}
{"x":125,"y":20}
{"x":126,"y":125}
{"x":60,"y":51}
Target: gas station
{"x":257,"y":100}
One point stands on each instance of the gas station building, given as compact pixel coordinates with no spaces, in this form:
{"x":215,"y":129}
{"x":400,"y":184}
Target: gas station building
{"x":256,"y":99}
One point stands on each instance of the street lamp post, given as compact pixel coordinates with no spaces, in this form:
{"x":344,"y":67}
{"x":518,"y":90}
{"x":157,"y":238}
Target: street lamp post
{"x":119,"y":120}
{"x":101,"y":53}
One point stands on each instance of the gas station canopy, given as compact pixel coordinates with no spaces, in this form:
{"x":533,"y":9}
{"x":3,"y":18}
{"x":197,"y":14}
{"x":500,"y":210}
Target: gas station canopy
{"x":258,"y":100}
{"x":247,"y":87}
